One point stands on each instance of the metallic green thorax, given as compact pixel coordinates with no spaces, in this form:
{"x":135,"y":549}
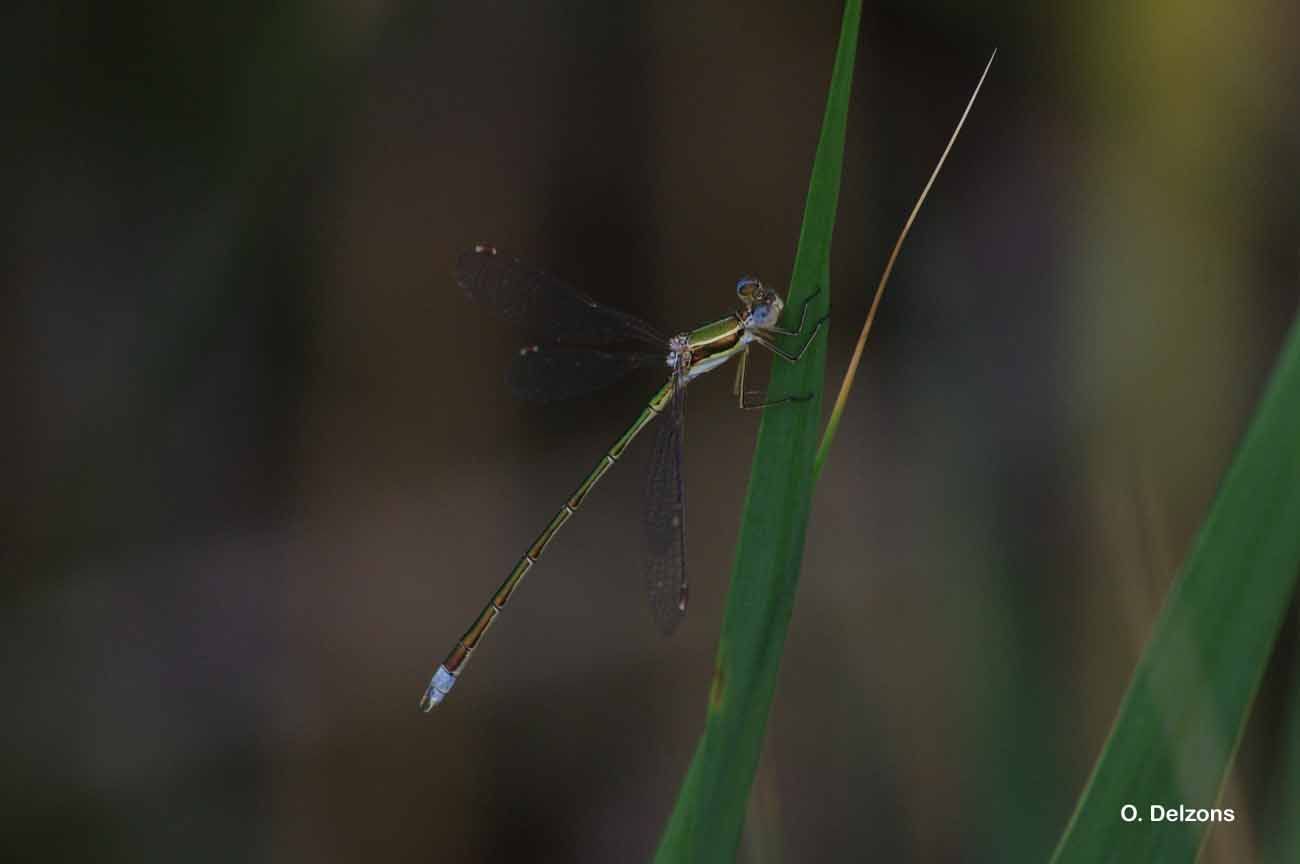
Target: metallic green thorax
{"x":717,"y":336}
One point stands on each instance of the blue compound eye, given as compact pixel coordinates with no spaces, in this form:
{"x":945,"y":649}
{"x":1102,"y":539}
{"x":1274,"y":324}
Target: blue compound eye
{"x":747,"y":287}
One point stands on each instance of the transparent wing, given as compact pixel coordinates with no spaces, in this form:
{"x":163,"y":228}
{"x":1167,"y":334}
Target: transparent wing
{"x":665,"y":517}
{"x":542,"y":373}
{"x":544,"y":304}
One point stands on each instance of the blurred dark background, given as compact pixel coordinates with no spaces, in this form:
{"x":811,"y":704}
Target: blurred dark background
{"x":264,"y":468}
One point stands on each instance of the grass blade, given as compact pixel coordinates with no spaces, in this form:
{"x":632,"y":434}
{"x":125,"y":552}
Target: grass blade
{"x":849,"y":374}
{"x":709,"y":814}
{"x":1182,"y":717}
{"x":1282,"y":843}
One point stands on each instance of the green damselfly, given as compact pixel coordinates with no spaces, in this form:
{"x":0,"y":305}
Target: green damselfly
{"x":577,"y":360}
{"x":590,"y":346}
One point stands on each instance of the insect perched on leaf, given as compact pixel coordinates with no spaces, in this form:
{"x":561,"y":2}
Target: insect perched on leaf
{"x":591,"y":346}
{"x":581,"y":356}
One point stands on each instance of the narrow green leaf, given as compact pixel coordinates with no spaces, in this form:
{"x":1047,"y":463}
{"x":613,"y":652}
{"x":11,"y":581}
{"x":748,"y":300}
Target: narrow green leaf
{"x":709,"y":815}
{"x":1283,"y":842}
{"x":1180,"y":722}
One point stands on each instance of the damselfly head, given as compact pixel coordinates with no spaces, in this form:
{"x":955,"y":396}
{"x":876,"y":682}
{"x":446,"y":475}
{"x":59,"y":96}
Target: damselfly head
{"x":760,"y":305}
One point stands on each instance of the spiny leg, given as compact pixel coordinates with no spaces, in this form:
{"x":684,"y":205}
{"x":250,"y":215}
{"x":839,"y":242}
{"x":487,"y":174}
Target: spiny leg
{"x":802,"y":397}
{"x":739,"y":389}
{"x":803,"y":314}
{"x":738,"y":386}
{"x":788,"y":357}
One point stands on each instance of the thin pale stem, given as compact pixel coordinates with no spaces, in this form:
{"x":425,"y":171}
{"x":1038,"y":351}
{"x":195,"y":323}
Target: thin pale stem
{"x":842,"y":397}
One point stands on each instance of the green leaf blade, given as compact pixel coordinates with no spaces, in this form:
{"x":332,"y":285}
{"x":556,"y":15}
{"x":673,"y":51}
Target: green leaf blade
{"x":1180,"y":722}
{"x":708,"y":817}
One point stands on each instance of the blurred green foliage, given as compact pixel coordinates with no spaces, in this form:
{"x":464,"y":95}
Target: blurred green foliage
{"x":1182,"y":719}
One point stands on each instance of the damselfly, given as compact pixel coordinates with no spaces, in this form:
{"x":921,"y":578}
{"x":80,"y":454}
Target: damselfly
{"x":579,"y":358}
{"x":591,"y":346}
